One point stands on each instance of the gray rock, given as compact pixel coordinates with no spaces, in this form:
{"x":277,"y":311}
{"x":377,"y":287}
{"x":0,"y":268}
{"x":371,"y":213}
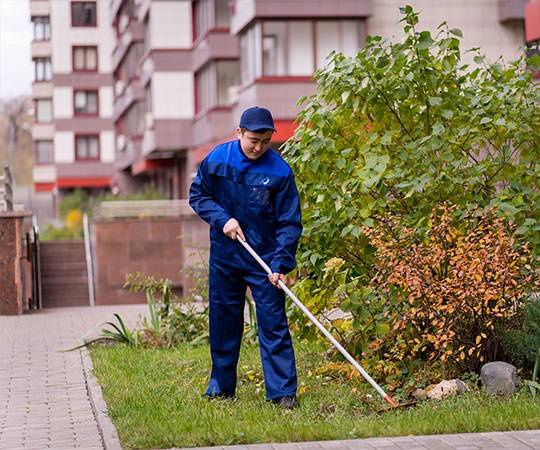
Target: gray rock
{"x":499,"y":378}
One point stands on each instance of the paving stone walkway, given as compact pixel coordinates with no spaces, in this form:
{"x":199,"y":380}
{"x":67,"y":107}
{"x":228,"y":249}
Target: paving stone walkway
{"x":44,"y":400}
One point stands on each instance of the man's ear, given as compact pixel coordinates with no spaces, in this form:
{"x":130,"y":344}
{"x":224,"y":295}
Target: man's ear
{"x":239,"y":132}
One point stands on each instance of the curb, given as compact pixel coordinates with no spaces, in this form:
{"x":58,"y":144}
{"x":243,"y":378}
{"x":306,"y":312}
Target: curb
{"x":107,"y":430}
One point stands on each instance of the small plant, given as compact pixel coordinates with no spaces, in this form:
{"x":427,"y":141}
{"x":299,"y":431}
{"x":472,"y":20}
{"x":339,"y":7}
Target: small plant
{"x":119,"y":334}
{"x":533,"y":384}
{"x":171,"y":322}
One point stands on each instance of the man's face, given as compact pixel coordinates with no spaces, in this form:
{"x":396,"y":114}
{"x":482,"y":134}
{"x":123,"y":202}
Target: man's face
{"x":254,"y":144}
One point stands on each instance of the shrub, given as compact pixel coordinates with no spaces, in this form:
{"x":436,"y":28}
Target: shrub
{"x":445,"y":294}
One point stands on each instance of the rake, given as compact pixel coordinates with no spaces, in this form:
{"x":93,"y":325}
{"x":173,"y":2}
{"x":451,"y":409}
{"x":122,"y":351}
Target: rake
{"x":387,"y":398}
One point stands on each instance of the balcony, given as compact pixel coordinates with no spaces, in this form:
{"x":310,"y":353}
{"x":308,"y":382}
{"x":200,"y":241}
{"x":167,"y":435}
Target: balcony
{"x":279,"y":94}
{"x":510,"y":10}
{"x":166,"y":136}
{"x":132,"y":93}
{"x":44,"y":173}
{"x":41,"y":49}
{"x":216,"y":45}
{"x":215,"y":125}
{"x":40,"y":7}
{"x":133,"y":33}
{"x":43,"y":131}
{"x":42,"y":89}
{"x":164,"y":60}
{"x":246,"y":11}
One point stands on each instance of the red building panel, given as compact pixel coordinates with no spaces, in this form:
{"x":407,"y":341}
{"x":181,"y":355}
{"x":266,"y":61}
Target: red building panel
{"x":532,"y":21}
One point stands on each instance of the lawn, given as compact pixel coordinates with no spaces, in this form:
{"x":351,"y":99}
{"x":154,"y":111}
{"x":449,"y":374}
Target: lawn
{"x":154,"y":399}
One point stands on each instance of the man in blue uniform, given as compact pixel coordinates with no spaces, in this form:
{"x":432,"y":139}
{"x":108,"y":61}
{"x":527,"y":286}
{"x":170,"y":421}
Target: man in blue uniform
{"x":244,"y":189}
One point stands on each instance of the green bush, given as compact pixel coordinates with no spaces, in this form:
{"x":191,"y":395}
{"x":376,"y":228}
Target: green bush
{"x":523,"y":344}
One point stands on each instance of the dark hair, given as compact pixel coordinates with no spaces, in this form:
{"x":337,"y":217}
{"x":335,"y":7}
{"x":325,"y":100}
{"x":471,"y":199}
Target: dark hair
{"x":261,"y":131}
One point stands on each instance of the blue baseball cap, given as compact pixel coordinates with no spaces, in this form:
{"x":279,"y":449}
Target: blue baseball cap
{"x":256,"y":119}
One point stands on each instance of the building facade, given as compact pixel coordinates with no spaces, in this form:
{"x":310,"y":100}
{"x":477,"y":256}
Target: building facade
{"x":73,"y":95}
{"x":170,"y":78}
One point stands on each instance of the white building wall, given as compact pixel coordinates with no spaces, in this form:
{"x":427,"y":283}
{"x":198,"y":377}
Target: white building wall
{"x":64,"y":151}
{"x":107,"y":146}
{"x":172,"y":95}
{"x":64,"y":36}
{"x":106,"y":102}
{"x":63,"y":102}
{"x":171,"y":24}
{"x":478,"y":19}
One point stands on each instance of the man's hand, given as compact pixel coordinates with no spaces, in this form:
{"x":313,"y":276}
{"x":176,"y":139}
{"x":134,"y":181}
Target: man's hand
{"x":232,"y":229}
{"x":275,"y":278}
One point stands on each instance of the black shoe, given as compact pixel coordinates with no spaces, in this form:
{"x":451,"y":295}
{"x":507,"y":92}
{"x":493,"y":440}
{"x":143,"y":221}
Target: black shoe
{"x":221,"y":396}
{"x":288,"y":402}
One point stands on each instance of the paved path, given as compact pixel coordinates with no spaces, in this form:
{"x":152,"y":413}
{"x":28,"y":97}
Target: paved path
{"x":43,"y":398}
{"x":44,"y":401}
{"x":513,"y":440}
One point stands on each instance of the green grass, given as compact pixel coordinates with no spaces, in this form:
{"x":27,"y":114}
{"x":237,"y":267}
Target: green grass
{"x":154,"y":399}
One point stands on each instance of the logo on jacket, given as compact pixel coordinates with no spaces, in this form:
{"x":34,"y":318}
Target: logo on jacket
{"x":265,"y":181}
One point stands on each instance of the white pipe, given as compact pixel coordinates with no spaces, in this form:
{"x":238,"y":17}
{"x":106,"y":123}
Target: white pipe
{"x":89,"y":266}
{"x":318,"y":324}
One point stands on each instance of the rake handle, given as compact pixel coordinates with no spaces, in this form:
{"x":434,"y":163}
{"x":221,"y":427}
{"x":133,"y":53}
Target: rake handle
{"x":387,"y":398}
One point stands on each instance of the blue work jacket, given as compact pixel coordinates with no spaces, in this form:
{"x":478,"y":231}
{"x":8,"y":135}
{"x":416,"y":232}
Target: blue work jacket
{"x":260,"y":194}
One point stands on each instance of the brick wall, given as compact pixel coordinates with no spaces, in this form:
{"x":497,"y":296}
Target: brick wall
{"x":12,"y":295}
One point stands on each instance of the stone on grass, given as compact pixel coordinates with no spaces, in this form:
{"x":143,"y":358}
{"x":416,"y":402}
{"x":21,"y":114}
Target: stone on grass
{"x":420,"y":394}
{"x":446,"y":388}
{"x":499,"y":378}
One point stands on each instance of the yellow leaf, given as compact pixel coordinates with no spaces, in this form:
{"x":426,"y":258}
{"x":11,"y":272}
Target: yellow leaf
{"x":478,"y":339}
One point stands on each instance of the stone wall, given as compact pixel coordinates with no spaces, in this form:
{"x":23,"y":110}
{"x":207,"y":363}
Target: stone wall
{"x":153,"y":246}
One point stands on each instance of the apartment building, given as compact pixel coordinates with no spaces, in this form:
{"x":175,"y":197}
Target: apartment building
{"x":130,"y":93}
{"x":186,"y":69}
{"x":73,"y":95}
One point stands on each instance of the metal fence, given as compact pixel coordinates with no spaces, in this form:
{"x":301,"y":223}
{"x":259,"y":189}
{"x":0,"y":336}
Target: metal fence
{"x":6,"y":190}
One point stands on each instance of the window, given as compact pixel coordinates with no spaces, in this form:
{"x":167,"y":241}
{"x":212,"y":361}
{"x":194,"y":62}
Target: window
{"x":228,"y":82}
{"x":210,"y":14}
{"x":205,"y":88}
{"x":343,"y":36}
{"x":223,"y":14}
{"x":83,"y":14}
{"x":217,"y":85}
{"x":42,"y":28}
{"x":43,"y":110}
{"x":87,"y":148}
{"x":42,"y":69}
{"x":250,"y":55}
{"x":85,"y":102}
{"x":295,"y":48}
{"x":44,"y":152}
{"x":84,"y":59}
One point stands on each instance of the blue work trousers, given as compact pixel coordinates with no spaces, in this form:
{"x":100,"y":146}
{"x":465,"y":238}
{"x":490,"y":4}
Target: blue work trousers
{"x":227,"y":298}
